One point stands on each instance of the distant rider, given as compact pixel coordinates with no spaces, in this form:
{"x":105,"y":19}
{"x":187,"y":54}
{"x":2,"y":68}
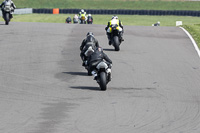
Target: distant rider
{"x":75,"y":18}
{"x":89,"y":41}
{"x":89,"y":19}
{"x":2,"y":6}
{"x":68,"y":20}
{"x":95,"y":58}
{"x":82,"y":13}
{"x":114,"y":21}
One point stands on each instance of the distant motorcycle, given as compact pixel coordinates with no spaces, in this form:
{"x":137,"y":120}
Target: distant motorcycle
{"x":115,"y":37}
{"x":83,"y":19}
{"x":7,"y":12}
{"x":89,"y":19}
{"x":103,"y":74}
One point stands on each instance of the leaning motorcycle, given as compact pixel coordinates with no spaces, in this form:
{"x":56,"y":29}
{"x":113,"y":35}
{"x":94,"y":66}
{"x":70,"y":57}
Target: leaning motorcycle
{"x":103,"y":74}
{"x":115,"y":37}
{"x":7,"y":12}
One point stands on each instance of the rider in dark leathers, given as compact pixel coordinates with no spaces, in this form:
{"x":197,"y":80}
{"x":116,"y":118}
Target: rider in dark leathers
{"x":95,"y":58}
{"x":68,"y":20}
{"x":90,"y":40}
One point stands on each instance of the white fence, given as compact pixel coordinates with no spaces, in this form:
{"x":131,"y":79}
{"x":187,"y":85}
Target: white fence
{"x":21,"y":11}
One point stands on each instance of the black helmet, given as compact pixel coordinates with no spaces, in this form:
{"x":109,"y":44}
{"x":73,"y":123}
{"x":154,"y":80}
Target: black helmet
{"x":90,"y":34}
{"x":90,"y":37}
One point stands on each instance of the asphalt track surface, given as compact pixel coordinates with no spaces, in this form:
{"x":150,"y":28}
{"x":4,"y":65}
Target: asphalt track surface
{"x":44,"y":89}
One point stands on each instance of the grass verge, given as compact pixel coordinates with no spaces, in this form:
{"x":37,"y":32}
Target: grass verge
{"x":140,"y":20}
{"x":111,"y":4}
{"x":194,"y":30}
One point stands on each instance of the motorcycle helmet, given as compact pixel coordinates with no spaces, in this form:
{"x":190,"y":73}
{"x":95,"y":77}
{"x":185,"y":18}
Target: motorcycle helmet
{"x":114,"y":17}
{"x":90,"y":33}
{"x":82,"y":11}
{"x":89,"y":15}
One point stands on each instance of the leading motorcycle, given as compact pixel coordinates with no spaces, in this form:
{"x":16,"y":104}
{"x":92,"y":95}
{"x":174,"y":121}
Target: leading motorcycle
{"x":115,"y":37}
{"x":83,"y":19}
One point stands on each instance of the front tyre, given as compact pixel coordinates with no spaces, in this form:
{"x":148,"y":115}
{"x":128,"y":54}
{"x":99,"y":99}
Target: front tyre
{"x":103,"y":81}
{"x":7,"y":18}
{"x":116,"y":43}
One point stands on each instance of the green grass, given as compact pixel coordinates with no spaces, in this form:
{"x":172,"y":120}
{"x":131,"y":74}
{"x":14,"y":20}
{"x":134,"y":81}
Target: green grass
{"x":194,"y":30}
{"x":103,"y":19}
{"x":110,"y":4}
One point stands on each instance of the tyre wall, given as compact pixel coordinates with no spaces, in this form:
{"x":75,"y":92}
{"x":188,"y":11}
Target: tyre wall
{"x":122,"y":12}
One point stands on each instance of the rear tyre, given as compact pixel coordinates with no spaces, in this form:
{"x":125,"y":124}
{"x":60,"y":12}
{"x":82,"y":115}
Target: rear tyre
{"x":103,"y":81}
{"x":116,"y":43}
{"x":7,"y":18}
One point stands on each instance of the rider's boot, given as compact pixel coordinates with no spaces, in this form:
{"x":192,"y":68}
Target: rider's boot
{"x":109,"y":38}
{"x":121,"y":36}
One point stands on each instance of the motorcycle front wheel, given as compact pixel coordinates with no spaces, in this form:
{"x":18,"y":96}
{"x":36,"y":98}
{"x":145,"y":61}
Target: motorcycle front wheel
{"x":103,"y":81}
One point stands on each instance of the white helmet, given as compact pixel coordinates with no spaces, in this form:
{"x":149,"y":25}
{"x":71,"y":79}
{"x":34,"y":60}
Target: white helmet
{"x":89,"y":15}
{"x":114,"y":17}
{"x":82,"y":10}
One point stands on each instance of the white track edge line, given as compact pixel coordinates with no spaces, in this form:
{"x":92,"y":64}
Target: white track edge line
{"x":193,"y":41}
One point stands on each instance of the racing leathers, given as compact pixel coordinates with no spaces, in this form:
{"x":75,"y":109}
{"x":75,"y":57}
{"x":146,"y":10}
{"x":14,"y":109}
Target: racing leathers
{"x":95,"y":58}
{"x":89,"y":41}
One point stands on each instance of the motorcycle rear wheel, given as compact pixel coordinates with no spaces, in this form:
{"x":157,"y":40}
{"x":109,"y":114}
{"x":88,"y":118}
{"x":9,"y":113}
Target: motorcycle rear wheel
{"x":116,"y":43}
{"x":7,"y":18}
{"x":103,"y":81}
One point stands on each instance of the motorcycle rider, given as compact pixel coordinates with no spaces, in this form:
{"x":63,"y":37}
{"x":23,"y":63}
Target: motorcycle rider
{"x":75,"y":18}
{"x":89,"y":41}
{"x":97,"y":56}
{"x":82,"y":13}
{"x":3,"y":5}
{"x":89,"y":19}
{"x":113,"y":21}
{"x":68,"y":20}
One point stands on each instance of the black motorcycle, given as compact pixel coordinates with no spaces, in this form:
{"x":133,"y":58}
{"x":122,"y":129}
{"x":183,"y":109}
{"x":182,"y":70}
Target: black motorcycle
{"x":103,"y":74}
{"x":115,"y":37}
{"x":89,"y":20}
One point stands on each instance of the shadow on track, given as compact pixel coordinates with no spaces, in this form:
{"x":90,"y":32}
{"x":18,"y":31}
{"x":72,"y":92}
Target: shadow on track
{"x":76,"y":73}
{"x":106,"y":49}
{"x":86,"y":88}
